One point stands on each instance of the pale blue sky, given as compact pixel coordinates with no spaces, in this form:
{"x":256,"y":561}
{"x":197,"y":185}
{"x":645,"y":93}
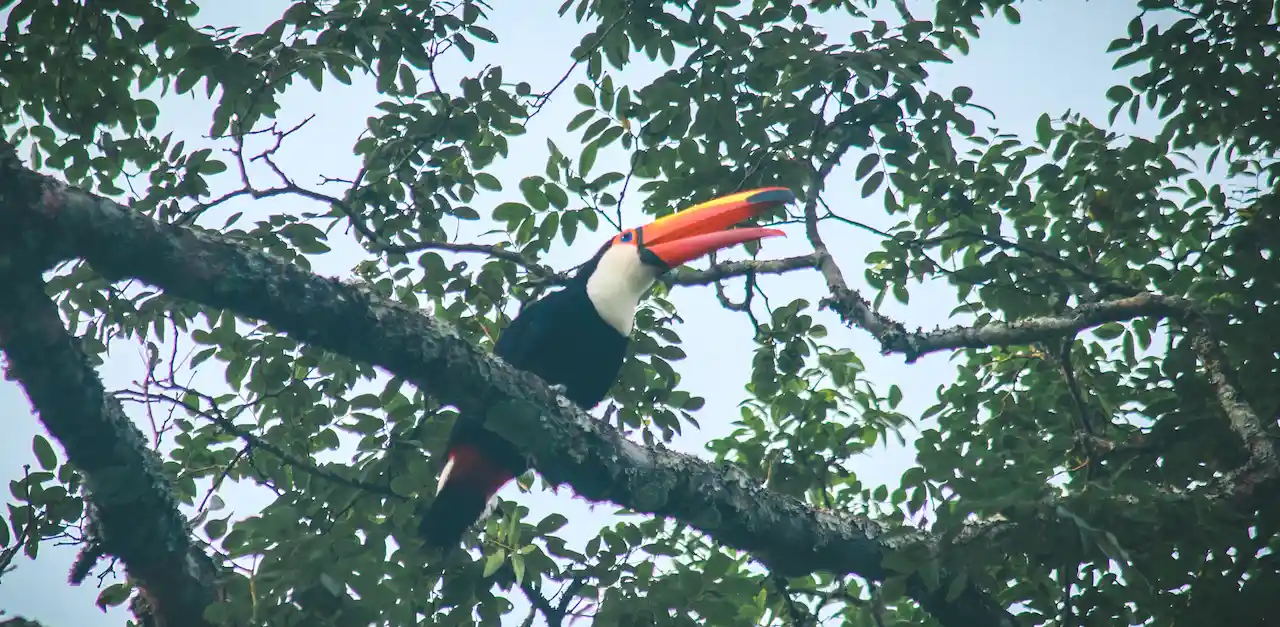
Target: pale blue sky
{"x":1053,"y":61}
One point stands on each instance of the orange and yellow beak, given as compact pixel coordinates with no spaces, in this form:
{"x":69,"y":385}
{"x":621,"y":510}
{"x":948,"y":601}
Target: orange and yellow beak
{"x":705,"y":228}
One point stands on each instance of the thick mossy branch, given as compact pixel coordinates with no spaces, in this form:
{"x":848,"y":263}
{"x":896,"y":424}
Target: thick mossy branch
{"x":138,"y":517}
{"x":1263,"y":463}
{"x":566,"y":444}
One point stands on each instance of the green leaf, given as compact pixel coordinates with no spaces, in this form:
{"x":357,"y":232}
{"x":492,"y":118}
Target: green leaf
{"x":1135,"y":29}
{"x":488,"y":181}
{"x":1198,"y":191}
{"x":556,"y":195}
{"x":113,"y":595}
{"x":1044,"y":130}
{"x":404,"y":485}
{"x":869,"y":161}
{"x":584,"y":95}
{"x":510,"y":211}
{"x":517,"y":565}
{"x":872,"y":184}
{"x":493,"y":562}
{"x":483,"y":34}
{"x":1109,"y":331}
{"x":596,"y":128}
{"x":531,"y":188}
{"x":606,"y":93}
{"x":216,"y":528}
{"x":580,"y":119}
{"x":47,"y":459}
{"x":716,"y":566}
{"x":610,"y":135}
{"x":931,"y":572}
{"x":551,"y":523}
{"x":1119,"y":94}
{"x":569,"y":227}
{"x":587,"y":159}
{"x":893,"y":588}
{"x":467,"y":48}
{"x":212,"y":166}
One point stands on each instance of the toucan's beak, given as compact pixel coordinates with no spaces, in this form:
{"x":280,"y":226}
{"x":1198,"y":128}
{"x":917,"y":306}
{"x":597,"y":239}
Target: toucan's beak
{"x":702,"y":229}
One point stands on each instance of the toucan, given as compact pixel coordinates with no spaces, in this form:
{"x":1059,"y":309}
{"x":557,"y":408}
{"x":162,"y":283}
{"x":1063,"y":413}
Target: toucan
{"x":576,"y":340}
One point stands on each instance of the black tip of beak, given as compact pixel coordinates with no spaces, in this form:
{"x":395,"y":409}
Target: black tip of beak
{"x":779,"y":196}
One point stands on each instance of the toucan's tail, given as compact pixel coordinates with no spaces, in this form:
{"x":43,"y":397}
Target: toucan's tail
{"x":455,"y":509}
{"x":467,"y":484}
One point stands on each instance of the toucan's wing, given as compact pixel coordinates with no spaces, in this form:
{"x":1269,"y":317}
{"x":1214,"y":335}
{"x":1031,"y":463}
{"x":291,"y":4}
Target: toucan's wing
{"x":527,"y":336}
{"x":481,"y":462}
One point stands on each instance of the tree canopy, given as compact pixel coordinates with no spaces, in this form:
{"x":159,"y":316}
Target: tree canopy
{"x":1105,"y":454}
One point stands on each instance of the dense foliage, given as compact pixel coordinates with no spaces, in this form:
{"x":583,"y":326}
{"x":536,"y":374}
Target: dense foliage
{"x":1105,"y":459}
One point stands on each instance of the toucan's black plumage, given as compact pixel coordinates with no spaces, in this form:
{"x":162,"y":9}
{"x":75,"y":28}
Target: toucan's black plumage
{"x":577,"y":338}
{"x":560,"y":338}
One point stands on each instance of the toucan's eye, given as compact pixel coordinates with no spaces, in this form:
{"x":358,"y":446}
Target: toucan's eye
{"x":626,"y":237}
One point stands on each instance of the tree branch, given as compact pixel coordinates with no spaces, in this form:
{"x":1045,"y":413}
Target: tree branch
{"x":140,"y":521}
{"x":565,"y":443}
{"x":550,"y":613}
{"x":1027,"y":330}
{"x":685,"y":276}
{"x":1244,"y":421}
{"x":848,"y":303}
{"x":729,"y":269}
{"x":893,"y":336}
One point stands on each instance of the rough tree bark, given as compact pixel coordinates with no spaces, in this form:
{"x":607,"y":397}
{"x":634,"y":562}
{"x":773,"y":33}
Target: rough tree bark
{"x":137,"y":514}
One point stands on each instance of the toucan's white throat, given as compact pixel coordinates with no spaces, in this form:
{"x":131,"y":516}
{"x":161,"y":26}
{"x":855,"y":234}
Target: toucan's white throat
{"x":618,"y":284}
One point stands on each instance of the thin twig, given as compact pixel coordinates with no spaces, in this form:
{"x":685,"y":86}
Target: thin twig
{"x":798,"y":617}
{"x":545,"y":97}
